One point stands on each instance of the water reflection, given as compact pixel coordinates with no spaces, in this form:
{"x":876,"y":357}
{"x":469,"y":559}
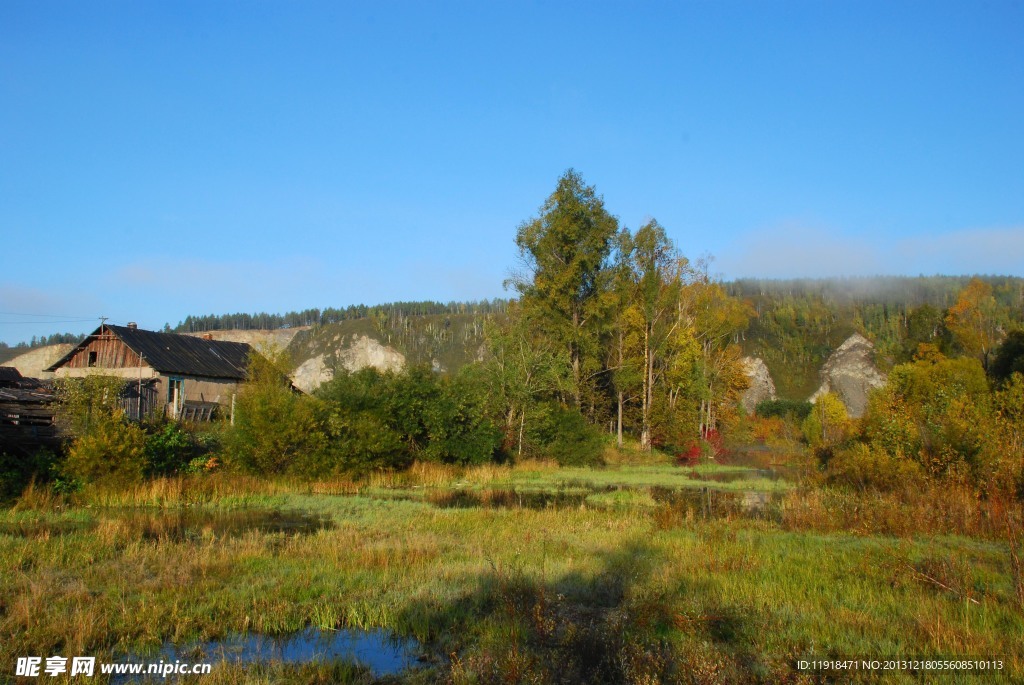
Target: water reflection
{"x":177,"y":525}
{"x":189,"y":524}
{"x":378,"y":650}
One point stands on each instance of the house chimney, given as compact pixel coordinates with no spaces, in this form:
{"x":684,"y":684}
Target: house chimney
{"x":132,"y":326}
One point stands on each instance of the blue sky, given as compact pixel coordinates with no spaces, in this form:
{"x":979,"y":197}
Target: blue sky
{"x":165,"y":159}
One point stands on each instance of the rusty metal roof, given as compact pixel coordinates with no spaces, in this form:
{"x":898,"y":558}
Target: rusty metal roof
{"x":172,"y":353}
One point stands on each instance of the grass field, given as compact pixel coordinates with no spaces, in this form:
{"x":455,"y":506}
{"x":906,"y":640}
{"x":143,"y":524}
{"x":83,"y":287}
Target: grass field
{"x":626,"y":577}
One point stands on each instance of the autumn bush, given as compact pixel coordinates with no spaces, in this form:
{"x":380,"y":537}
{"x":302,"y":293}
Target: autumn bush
{"x":827,"y":424}
{"x":937,"y":412}
{"x":112,"y":452}
{"x":771,"y":430}
{"x":862,"y":467}
{"x":105,"y":447}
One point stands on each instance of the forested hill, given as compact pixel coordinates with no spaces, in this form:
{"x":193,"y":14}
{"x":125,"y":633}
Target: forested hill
{"x":445,"y":336}
{"x":799,"y":322}
{"x":445,"y":342}
{"x":312,"y":317}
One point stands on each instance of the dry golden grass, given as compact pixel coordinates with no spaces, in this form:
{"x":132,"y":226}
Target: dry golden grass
{"x":926,"y":510}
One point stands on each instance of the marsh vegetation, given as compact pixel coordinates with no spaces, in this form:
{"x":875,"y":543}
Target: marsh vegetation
{"x":531,"y":573}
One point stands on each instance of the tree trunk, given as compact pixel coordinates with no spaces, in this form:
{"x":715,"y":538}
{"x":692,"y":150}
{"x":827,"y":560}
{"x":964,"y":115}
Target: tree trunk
{"x":574,"y":357}
{"x":522,"y":424}
{"x":645,"y":430}
{"x":620,"y":420}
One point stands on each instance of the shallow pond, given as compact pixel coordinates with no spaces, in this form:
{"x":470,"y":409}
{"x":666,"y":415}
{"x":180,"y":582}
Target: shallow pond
{"x":44,"y":529}
{"x":712,"y":503}
{"x":177,"y":525}
{"x":705,"y":502}
{"x":506,"y":499}
{"x":378,"y":650}
{"x":733,"y":476}
{"x":191,"y":524}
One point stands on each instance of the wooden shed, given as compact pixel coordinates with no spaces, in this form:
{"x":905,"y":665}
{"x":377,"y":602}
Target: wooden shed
{"x":180,"y":375}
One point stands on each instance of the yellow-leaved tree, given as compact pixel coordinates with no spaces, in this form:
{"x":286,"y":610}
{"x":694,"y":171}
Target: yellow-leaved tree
{"x":977,"y":320}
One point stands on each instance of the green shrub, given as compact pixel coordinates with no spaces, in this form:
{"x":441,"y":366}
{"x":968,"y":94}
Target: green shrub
{"x":563,"y":434}
{"x":169,"y":449}
{"x":457,"y":428}
{"x":275,"y":430}
{"x":360,"y":442}
{"x":783,"y":409}
{"x":18,"y":470}
{"x":81,"y":402}
{"x":106,"y":447}
{"x":387,"y":420}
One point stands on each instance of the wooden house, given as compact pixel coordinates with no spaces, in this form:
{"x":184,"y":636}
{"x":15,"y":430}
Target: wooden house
{"x":179,"y":375}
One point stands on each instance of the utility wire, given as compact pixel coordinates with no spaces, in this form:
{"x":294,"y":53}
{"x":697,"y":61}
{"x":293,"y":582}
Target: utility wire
{"x":36,"y":323}
{"x":50,"y":316}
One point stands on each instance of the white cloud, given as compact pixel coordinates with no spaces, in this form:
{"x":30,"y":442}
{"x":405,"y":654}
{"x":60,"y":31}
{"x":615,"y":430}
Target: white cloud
{"x":796,"y":250}
{"x":799,"y":251}
{"x":968,"y":251}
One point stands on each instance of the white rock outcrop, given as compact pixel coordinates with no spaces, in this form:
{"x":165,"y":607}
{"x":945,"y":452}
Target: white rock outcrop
{"x":311,"y":374}
{"x":850,"y":373}
{"x":279,"y":337}
{"x":363,"y":351}
{"x":761,"y":385}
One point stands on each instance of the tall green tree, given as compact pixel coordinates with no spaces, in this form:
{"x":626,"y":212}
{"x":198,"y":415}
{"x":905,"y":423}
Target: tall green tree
{"x":566,"y":250}
{"x":658,"y":272}
{"x":624,"y":361}
{"x":522,"y":369}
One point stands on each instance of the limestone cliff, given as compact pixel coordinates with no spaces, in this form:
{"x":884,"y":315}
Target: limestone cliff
{"x":351,"y":354}
{"x":761,"y":385}
{"x":850,"y":373}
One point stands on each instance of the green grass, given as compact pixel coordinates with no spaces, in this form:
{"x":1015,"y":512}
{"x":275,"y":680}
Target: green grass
{"x":663,"y":475}
{"x":623,"y":589}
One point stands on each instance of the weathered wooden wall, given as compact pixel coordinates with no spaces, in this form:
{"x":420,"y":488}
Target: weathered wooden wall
{"x":110,"y":352}
{"x":27,"y":420}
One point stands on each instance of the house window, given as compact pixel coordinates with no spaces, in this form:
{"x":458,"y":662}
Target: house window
{"x":175,"y":384}
{"x":92,"y":358}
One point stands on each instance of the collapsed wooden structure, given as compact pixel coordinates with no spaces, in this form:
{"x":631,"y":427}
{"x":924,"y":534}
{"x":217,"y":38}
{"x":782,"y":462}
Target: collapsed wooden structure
{"x":26,"y":413}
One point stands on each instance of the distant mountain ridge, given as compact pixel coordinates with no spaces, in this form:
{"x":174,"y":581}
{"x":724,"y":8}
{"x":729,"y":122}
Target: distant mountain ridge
{"x":799,"y":323}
